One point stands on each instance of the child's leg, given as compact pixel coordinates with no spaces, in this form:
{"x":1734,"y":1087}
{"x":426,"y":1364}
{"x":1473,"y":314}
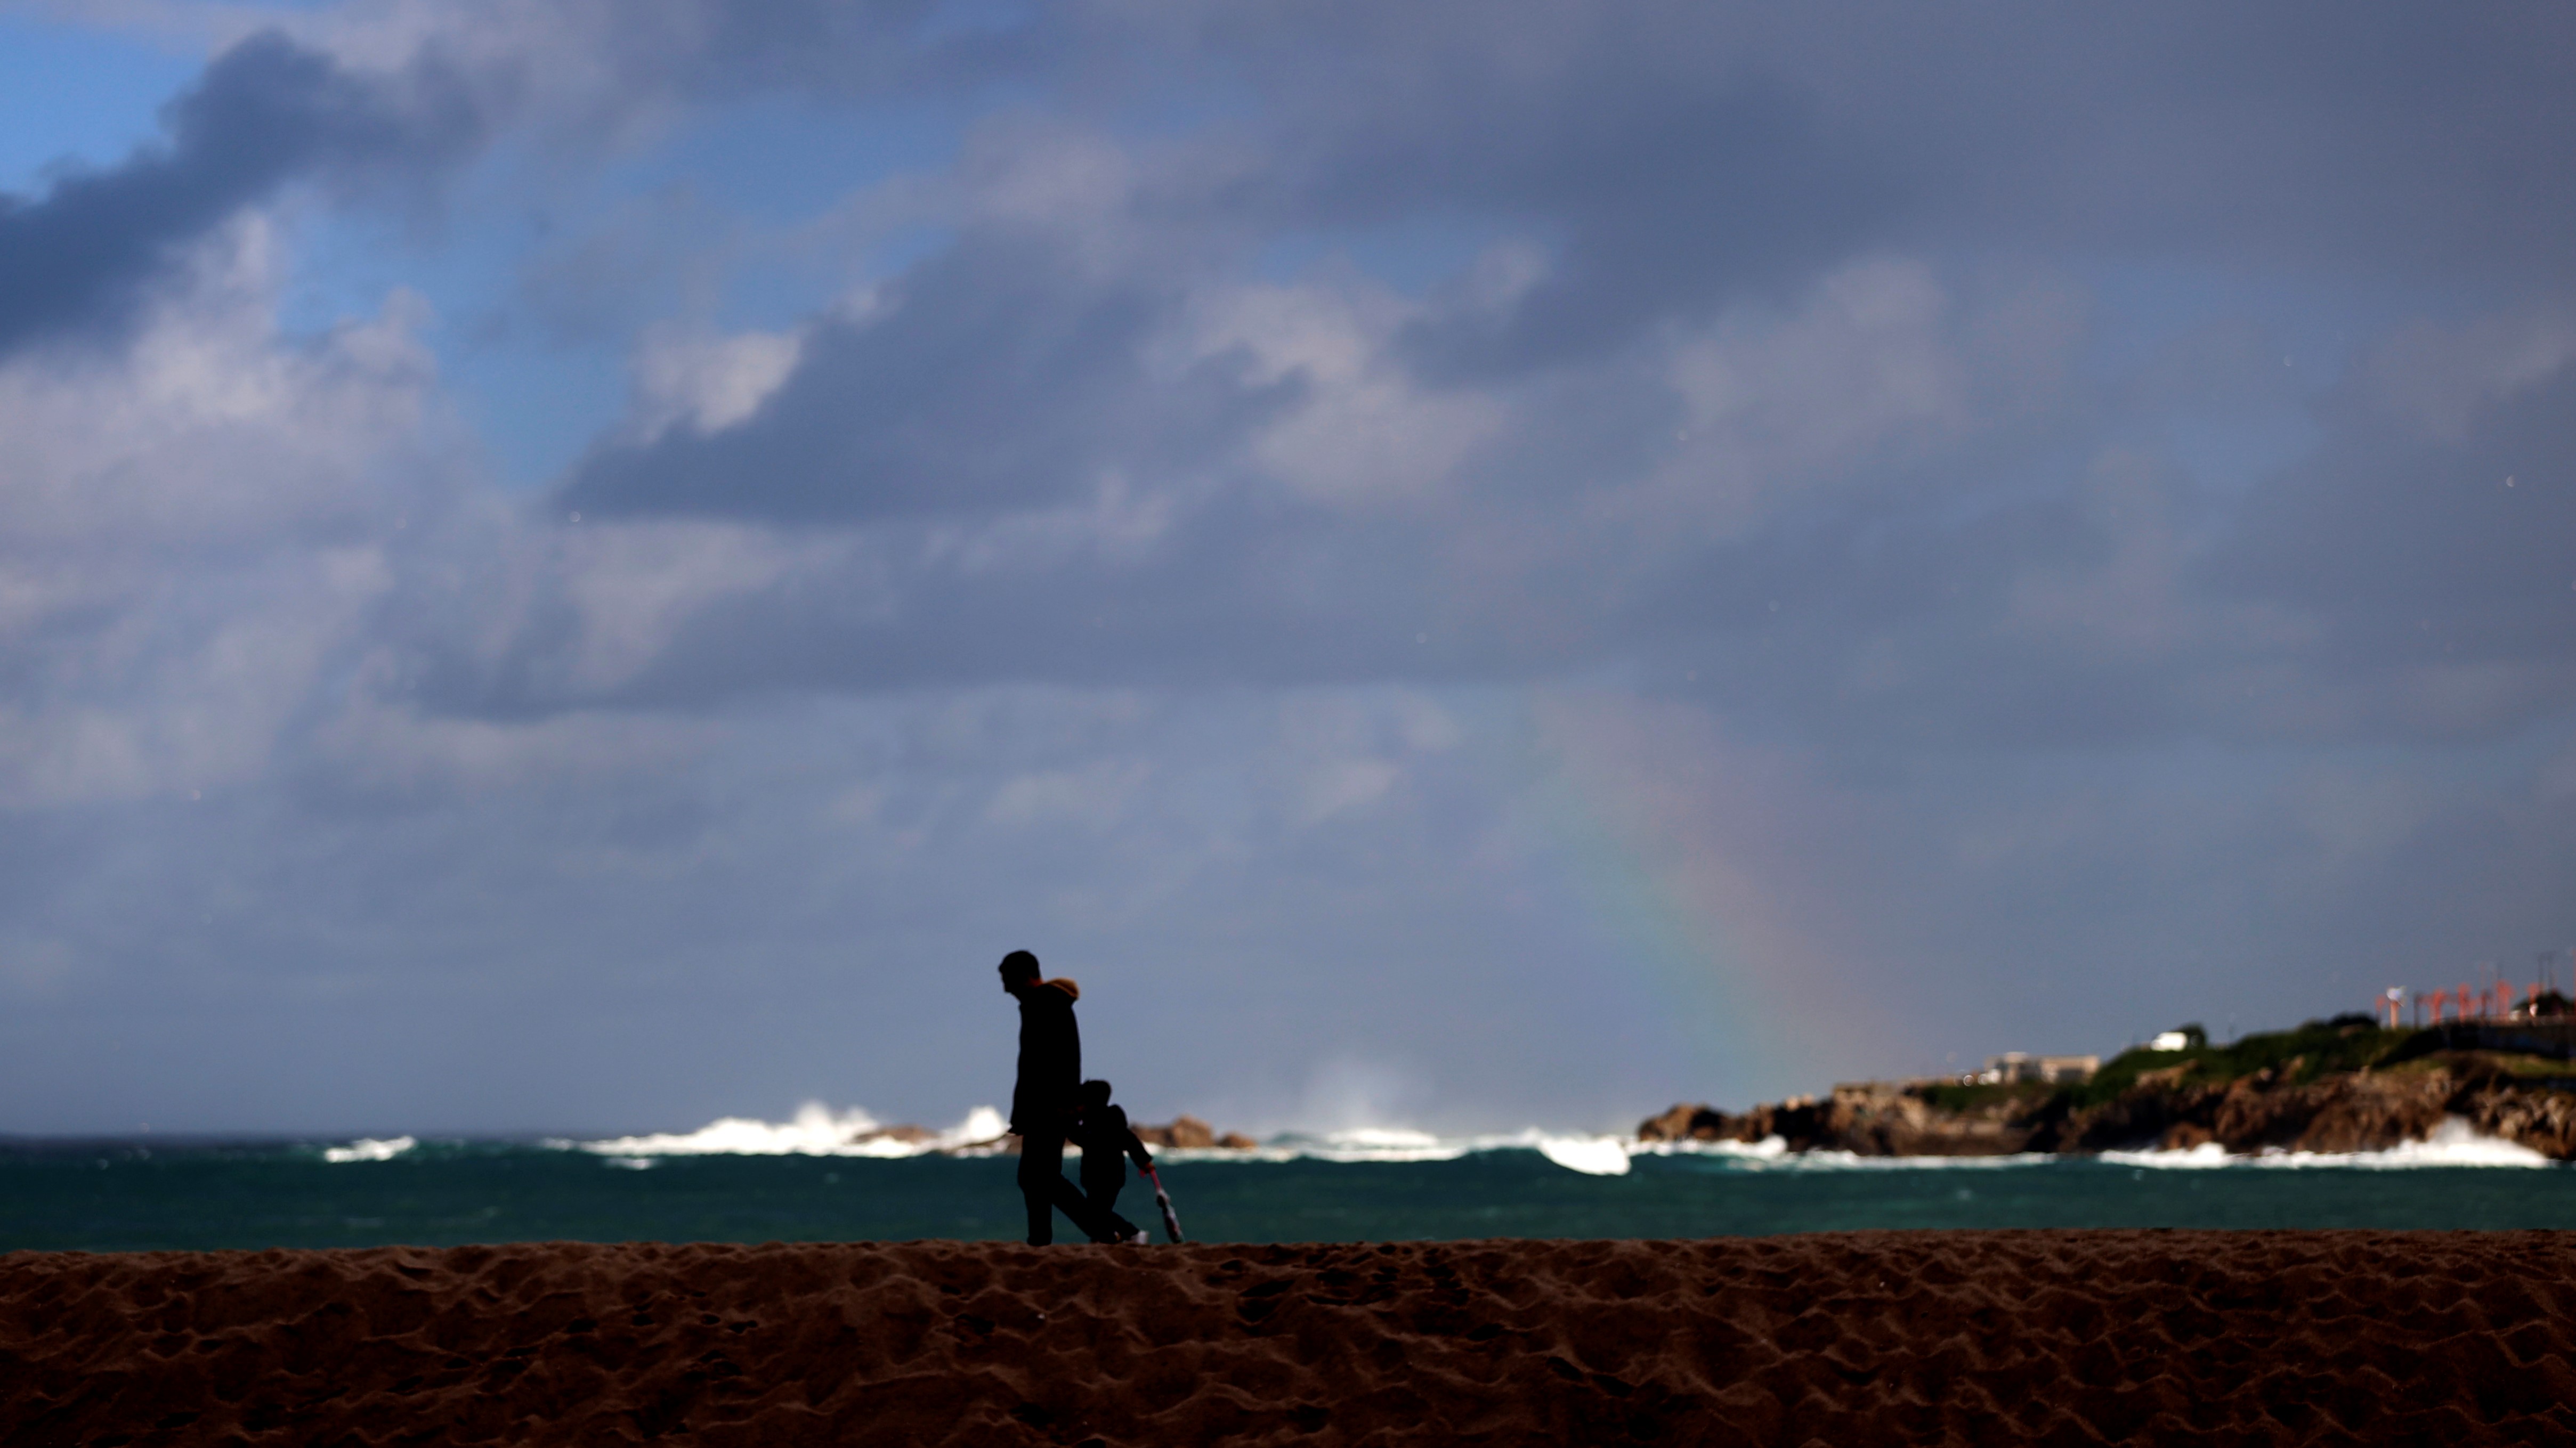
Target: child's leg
{"x":1101,"y":1189}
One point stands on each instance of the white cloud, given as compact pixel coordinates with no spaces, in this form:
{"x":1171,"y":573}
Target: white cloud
{"x":1342,"y":786}
{"x":708,"y":383}
{"x":1093,"y":797}
{"x":2440,"y":378}
{"x":1771,"y":405}
{"x":1365,"y":435}
{"x":192,"y":528}
{"x":36,"y":966}
{"x":1346,"y":751}
{"x":383,"y":746}
{"x":1119,"y":523}
{"x":633,"y":584}
{"x":212,"y":429}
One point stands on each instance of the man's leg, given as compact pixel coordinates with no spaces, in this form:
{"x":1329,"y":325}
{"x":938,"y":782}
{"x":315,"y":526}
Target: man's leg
{"x":1041,"y":1162}
{"x":1044,"y":1188}
{"x":1070,"y":1200}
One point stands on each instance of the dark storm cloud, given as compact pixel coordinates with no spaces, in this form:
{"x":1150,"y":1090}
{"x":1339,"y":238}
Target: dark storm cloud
{"x":2383,"y":134}
{"x":2385,"y":137}
{"x":1675,"y":161}
{"x":869,"y":49}
{"x":1249,"y":587}
{"x":266,"y":111}
{"x":1679,"y":155}
{"x":1673,"y":158}
{"x":995,"y":375}
{"x":2442,"y":568}
{"x":1918,"y":609}
{"x":1667,"y":201}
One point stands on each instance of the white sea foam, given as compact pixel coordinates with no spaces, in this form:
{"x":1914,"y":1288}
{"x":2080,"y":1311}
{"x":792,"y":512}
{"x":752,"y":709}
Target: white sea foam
{"x":2198,"y":1158}
{"x":1367,"y":1143}
{"x":1769,"y":1148}
{"x":367,"y":1148}
{"x":1773,"y":1154}
{"x":1590,"y":1155}
{"x":980,"y":1134}
{"x":816,"y":1130}
{"x":1854,"y":1161}
{"x":2453,"y":1143}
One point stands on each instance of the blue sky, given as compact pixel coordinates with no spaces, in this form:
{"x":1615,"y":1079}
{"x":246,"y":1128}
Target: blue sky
{"x":595,"y":567}
{"x":73,"y":91}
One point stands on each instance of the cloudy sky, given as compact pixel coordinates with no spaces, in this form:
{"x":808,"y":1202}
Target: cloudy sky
{"x":595,"y":565}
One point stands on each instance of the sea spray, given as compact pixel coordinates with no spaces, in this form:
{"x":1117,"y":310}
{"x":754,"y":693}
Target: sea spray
{"x":815,"y":1130}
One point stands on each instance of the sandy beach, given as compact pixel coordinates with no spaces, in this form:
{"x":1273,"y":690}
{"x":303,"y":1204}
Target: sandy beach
{"x":2073,"y":1337}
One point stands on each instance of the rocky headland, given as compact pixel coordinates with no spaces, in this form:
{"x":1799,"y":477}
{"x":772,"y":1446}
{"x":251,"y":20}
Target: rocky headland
{"x":2334,"y":1086}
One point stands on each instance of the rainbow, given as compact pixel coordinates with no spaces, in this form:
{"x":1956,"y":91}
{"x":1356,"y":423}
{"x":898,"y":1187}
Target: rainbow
{"x":1669,"y":841}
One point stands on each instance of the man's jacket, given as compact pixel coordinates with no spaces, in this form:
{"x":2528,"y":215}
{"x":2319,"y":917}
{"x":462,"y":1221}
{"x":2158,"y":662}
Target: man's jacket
{"x":1050,"y":1059}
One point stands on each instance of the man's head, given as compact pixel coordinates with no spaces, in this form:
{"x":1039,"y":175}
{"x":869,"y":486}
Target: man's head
{"x":1019,"y":971}
{"x":1095,"y":1094}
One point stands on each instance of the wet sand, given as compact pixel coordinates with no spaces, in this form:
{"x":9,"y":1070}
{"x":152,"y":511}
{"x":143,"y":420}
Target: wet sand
{"x":1847,"y":1338}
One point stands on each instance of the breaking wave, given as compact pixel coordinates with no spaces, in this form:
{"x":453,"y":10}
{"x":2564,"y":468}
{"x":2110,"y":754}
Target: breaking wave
{"x":815,"y":1130}
{"x":1772,"y":1153}
{"x":1590,"y":1155}
{"x":367,"y":1148}
{"x":2453,"y":1143}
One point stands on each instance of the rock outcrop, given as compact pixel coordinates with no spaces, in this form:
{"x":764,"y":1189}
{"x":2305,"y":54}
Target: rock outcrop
{"x":1867,"y":1118}
{"x":1188,"y":1133}
{"x":1183,"y":1132}
{"x":2362,"y":1111}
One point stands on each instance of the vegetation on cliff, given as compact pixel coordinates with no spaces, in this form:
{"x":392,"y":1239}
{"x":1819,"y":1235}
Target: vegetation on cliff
{"x":2315,"y":1050}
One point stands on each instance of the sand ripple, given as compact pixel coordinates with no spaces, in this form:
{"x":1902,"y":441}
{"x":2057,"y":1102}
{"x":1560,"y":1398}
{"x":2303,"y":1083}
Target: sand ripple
{"x":2072,"y":1337}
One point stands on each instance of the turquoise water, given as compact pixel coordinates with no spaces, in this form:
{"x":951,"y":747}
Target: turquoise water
{"x":126,"y":1195}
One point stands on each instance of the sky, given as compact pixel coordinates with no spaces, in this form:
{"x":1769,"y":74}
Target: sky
{"x":595,"y":566}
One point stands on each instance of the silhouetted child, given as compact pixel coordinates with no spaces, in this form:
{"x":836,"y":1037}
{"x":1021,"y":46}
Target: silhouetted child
{"x":1101,"y":1130}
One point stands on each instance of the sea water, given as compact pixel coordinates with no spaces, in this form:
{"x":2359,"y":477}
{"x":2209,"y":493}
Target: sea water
{"x":849,"y":1183}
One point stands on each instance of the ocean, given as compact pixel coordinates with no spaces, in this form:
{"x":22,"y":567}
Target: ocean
{"x":153,"y":1193}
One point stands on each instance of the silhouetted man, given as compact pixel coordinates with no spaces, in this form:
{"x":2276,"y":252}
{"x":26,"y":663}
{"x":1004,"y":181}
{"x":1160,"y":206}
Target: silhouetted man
{"x":1043,"y":1101}
{"x":1108,"y":1143}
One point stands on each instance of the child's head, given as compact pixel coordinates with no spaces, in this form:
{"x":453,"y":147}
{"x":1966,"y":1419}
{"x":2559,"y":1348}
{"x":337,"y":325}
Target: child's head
{"x":1095,"y":1094}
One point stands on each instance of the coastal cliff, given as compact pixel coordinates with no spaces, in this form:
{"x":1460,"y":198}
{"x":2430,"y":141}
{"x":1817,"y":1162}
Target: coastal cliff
{"x":2327,"y":1087}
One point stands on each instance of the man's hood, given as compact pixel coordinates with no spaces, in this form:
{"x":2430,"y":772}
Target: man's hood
{"x":1065,"y":983}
